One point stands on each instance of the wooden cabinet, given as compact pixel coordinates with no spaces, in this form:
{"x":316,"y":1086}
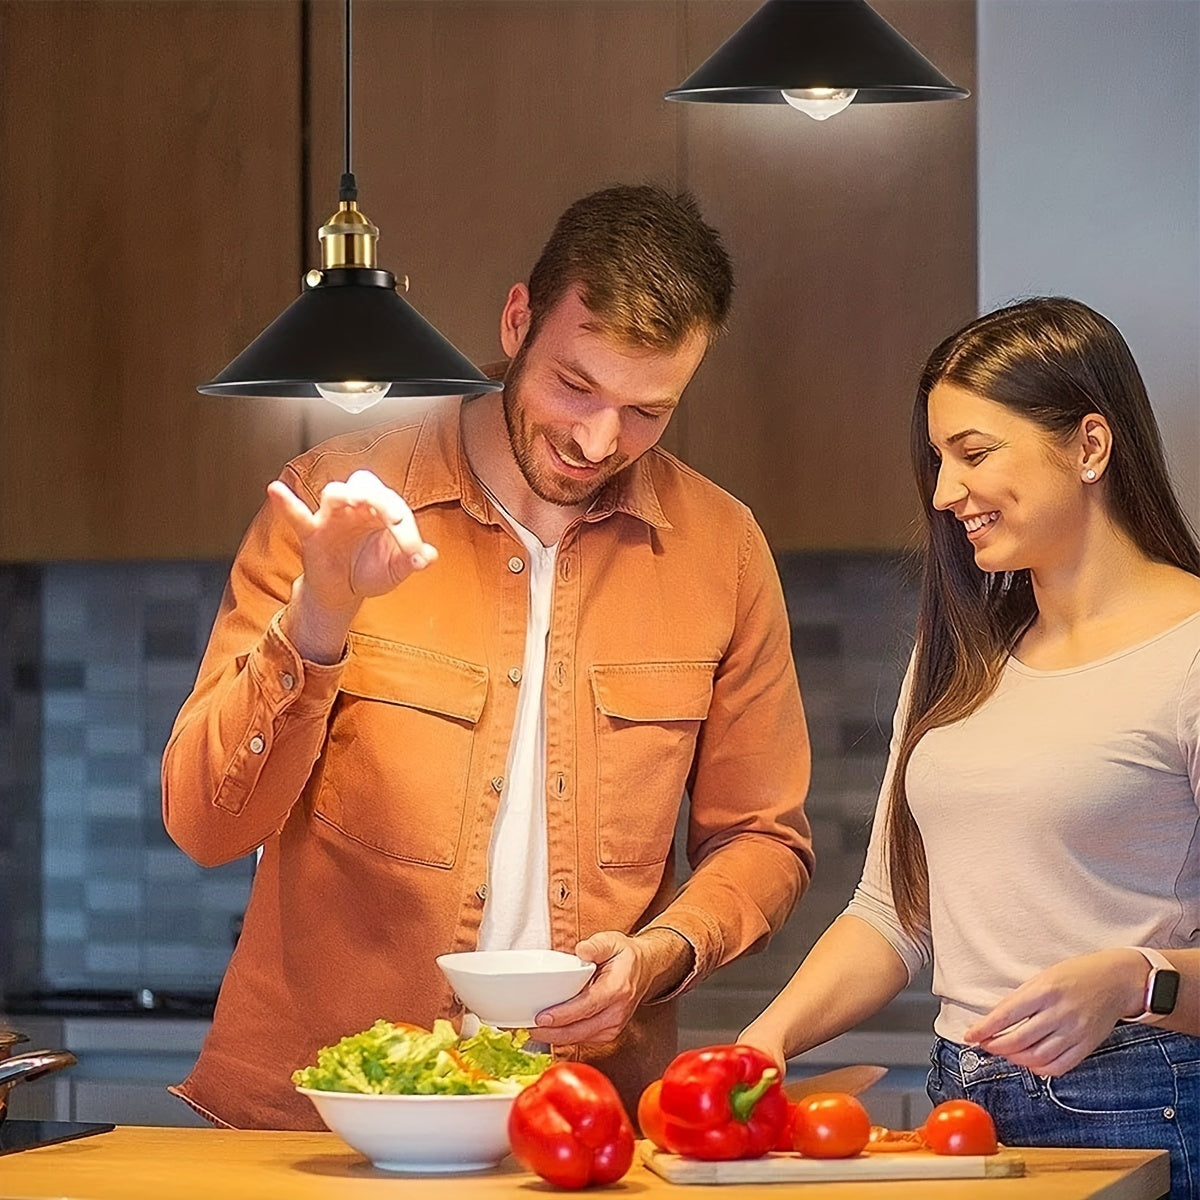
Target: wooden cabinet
{"x":150,"y":182}
{"x":853,"y":240}
{"x":161,"y":205}
{"x":475,"y":125}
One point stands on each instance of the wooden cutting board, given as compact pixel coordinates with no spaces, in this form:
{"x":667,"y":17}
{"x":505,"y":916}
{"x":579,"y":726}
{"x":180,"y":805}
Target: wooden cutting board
{"x":792,"y":1168}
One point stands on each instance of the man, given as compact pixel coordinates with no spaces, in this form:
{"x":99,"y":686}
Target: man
{"x":465,"y":668}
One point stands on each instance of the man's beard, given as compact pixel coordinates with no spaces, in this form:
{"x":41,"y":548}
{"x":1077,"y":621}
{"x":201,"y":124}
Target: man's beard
{"x":543,"y":481}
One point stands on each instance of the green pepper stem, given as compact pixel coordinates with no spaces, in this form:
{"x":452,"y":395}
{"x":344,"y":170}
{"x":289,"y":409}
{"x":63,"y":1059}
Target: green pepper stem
{"x":742,"y":1099}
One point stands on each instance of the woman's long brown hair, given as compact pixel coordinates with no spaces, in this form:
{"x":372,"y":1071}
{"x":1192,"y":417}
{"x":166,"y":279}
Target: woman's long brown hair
{"x":1052,"y":361}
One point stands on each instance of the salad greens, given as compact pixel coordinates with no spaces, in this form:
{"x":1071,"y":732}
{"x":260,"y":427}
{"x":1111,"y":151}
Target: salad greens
{"x":390,"y":1059}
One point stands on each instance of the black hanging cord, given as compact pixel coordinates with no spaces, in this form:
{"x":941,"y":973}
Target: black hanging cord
{"x":348,"y":190}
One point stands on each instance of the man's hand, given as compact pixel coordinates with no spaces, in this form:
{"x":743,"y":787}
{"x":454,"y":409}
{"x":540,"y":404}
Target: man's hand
{"x":362,"y":541}
{"x":1053,"y":1021}
{"x":628,"y":969}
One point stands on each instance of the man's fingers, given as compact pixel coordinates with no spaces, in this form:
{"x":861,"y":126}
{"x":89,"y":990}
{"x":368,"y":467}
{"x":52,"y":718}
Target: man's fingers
{"x":365,"y":497}
{"x":390,"y":505}
{"x":597,"y":1031}
{"x":393,"y":511}
{"x":293,"y":509}
{"x":579,"y":1008}
{"x":602,"y":946}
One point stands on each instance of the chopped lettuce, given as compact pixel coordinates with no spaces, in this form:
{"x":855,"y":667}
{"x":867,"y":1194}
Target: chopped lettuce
{"x":390,"y":1059}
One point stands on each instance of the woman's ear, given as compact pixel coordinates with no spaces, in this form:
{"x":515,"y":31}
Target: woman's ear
{"x":1094,"y":446}
{"x":514,"y":319}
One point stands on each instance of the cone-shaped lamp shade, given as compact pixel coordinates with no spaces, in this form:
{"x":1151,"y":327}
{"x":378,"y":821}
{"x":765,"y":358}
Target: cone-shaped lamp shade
{"x":352,"y":325}
{"x":801,"y":44}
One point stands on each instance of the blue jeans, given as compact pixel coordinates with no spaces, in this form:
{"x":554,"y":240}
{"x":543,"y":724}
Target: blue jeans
{"x":1139,"y":1089}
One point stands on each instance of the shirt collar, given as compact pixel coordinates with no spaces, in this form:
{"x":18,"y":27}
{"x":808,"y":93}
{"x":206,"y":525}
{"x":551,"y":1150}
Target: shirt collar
{"x":439,"y":473}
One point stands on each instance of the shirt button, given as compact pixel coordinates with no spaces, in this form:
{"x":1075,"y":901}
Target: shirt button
{"x":515,"y":674}
{"x":288,"y":680}
{"x":498,"y":783}
{"x":482,"y":891}
{"x":516,"y":564}
{"x":257,"y":744}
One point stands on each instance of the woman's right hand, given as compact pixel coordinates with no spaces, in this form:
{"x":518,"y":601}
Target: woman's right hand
{"x":760,"y":1036}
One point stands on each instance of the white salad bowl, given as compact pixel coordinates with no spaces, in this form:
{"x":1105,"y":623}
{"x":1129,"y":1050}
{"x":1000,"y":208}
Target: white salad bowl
{"x":508,"y":988}
{"x":422,"y":1134}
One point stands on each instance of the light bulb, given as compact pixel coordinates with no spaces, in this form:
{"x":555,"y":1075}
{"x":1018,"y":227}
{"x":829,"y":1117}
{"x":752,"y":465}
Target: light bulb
{"x":821,"y":102}
{"x":353,"y":395}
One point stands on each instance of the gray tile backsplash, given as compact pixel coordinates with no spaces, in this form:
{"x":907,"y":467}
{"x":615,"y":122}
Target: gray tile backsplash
{"x":121,"y":906}
{"x":96,"y":659}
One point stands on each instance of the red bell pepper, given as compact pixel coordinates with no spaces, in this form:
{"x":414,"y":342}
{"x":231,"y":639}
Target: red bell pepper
{"x":722,"y":1102}
{"x":784,"y":1140}
{"x":571,"y":1128}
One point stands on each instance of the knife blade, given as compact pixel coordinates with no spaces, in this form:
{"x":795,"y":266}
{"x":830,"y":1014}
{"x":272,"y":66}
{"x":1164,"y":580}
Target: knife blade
{"x":851,"y":1080}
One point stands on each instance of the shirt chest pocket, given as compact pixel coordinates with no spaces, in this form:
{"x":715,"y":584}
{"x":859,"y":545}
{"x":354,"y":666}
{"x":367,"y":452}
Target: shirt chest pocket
{"x":647,"y":718}
{"x":398,"y":755}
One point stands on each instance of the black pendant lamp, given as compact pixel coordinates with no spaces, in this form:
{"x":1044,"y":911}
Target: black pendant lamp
{"x":350,"y":336}
{"x":818,"y":56}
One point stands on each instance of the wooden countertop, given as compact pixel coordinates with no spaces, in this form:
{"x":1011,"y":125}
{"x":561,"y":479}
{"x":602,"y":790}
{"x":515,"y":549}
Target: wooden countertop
{"x":145,"y":1163}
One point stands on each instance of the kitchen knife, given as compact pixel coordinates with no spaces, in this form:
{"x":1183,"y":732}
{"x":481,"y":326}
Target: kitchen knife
{"x":845,"y":1079}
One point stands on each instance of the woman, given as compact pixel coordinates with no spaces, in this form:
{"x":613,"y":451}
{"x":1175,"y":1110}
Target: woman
{"x":1039,"y":822}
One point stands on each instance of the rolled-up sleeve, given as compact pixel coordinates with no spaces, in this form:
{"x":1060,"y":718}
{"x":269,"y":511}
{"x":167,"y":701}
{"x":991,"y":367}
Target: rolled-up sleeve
{"x":872,"y":901}
{"x":246,"y":740}
{"x":749,"y":841}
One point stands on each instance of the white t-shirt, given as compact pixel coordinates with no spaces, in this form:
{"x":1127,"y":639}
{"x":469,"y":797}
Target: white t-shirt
{"x":1059,"y":818}
{"x":516,"y":914}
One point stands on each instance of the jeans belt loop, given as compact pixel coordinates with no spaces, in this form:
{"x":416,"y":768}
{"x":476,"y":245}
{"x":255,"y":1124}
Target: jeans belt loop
{"x":935,"y":1063}
{"x":1034,"y":1085}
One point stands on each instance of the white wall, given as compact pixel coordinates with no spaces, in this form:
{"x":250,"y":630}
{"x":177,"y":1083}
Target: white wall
{"x":1089,"y":181}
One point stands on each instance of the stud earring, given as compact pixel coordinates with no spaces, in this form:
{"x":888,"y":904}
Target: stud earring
{"x":1089,"y":475}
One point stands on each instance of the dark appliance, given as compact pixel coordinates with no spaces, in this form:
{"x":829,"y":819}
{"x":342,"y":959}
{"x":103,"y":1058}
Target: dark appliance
{"x":28,"y":1135}
{"x":111,"y":1002}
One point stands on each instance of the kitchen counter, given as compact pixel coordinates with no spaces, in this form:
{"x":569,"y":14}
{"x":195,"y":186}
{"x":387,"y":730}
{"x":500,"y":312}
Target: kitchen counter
{"x":140,"y":1163}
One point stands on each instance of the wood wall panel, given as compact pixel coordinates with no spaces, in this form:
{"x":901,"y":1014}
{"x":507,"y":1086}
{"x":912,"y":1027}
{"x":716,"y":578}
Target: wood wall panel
{"x":854,"y":241}
{"x":476,"y":123}
{"x":150,"y":188}
{"x":156,"y":220}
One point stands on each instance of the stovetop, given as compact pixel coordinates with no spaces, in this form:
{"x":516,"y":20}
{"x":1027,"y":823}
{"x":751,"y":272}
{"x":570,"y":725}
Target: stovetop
{"x":110,"y":1002}
{"x":26,"y":1135}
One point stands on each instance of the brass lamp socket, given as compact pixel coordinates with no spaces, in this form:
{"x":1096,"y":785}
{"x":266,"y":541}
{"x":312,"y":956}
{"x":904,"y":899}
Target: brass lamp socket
{"x":348,"y":239}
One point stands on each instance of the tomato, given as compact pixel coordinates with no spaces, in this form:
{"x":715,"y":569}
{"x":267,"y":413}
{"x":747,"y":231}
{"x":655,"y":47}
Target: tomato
{"x":960,"y":1127}
{"x":650,"y":1115}
{"x":830,"y":1125}
{"x":893,"y":1141}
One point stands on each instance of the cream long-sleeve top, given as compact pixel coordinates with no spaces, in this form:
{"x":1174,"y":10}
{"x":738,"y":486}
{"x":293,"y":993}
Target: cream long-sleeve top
{"x":1059,"y":818}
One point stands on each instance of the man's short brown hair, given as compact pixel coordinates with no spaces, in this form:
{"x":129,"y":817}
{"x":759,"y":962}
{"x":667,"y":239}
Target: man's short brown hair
{"x":645,"y":262}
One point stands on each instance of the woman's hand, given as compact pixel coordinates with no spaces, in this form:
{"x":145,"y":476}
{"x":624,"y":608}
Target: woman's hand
{"x":760,"y":1036}
{"x":1053,"y":1021}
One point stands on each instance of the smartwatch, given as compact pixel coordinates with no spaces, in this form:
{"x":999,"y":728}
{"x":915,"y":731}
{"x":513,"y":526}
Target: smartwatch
{"x":1162,"y":988}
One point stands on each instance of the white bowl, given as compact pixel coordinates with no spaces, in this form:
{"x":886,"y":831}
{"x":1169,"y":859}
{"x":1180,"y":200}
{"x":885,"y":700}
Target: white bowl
{"x":508,"y":988}
{"x":424,"y":1134}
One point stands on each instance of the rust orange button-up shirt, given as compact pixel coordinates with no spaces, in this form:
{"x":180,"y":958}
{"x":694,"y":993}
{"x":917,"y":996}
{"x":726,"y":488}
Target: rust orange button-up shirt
{"x":372,"y":784}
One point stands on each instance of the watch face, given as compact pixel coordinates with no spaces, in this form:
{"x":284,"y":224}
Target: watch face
{"x":1164,"y":992}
